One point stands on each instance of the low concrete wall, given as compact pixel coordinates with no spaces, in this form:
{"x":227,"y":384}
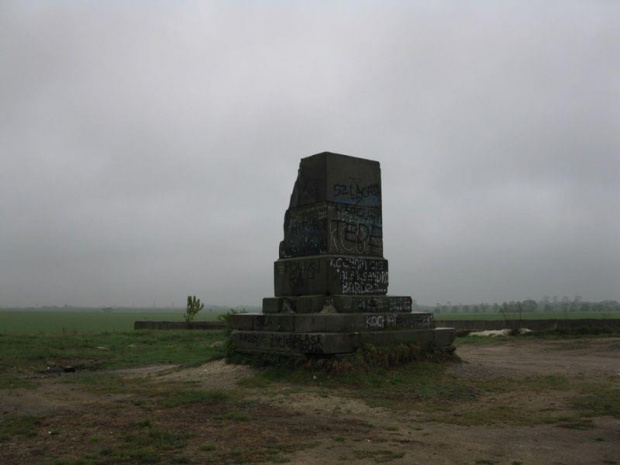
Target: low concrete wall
{"x":534,"y":325}
{"x":460,"y":325}
{"x":179,"y":325}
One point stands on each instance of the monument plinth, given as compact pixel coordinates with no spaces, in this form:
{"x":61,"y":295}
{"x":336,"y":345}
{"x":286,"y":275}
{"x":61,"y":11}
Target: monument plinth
{"x":331,"y":279}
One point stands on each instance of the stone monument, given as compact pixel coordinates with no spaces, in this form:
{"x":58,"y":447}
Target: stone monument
{"x":331,"y":279}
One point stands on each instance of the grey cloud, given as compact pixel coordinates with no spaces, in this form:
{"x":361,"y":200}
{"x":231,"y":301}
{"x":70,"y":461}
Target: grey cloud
{"x":148,"y":152}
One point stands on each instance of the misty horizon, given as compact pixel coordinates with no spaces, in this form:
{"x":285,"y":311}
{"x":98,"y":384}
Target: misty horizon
{"x":148,"y":153}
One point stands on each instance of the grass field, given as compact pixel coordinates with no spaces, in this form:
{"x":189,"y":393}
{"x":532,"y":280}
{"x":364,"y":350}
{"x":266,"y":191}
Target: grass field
{"x":14,"y":321}
{"x":96,"y":351}
{"x":167,"y":397}
{"x":58,"y":321}
{"x":527,"y":316}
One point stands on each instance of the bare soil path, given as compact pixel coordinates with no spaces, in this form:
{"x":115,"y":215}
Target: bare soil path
{"x":592,"y":357}
{"x":538,"y":401}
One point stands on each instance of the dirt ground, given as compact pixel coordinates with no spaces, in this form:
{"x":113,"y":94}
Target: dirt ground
{"x":82,"y":423}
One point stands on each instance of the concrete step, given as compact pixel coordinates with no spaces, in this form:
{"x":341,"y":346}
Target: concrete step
{"x":318,"y":343}
{"x":337,"y":304}
{"x":331,"y":322}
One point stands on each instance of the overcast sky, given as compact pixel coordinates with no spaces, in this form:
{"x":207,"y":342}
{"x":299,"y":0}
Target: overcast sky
{"x":148,"y":149}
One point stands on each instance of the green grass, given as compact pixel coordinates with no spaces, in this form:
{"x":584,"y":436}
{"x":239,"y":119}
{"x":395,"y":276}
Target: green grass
{"x":424,"y":386}
{"x":499,"y":415}
{"x":273,"y":453}
{"x":141,"y":423}
{"x":13,"y":381}
{"x":127,"y":455}
{"x":234,"y":416}
{"x":16,"y":425}
{"x":144,"y":444}
{"x":577,"y":423}
{"x":156,"y":438}
{"x":192,"y":396}
{"x":379,"y":456}
{"x":428,"y":388}
{"x":527,"y":316}
{"x":53,"y":321}
{"x":32,"y":321}
{"x":395,"y":388}
{"x":106,"y":383}
{"x":21,"y":353}
{"x":600,"y":401}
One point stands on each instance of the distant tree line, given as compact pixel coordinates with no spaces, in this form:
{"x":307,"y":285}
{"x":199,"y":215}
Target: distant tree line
{"x":546,"y":304}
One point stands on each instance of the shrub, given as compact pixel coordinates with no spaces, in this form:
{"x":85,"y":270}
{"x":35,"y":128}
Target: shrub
{"x":193,"y":307}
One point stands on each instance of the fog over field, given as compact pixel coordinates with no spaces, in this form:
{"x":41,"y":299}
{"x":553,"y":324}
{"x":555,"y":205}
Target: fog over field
{"x":148,"y":149}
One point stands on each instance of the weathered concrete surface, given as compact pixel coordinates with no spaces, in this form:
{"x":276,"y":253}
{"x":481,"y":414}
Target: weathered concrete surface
{"x":425,"y":338}
{"x":333,"y":230}
{"x":444,"y":337}
{"x":339,"y":179}
{"x":329,"y":228}
{"x":332,"y":323}
{"x":372,"y":304}
{"x":330,"y":275}
{"x":334,"y":343}
{"x":338,"y":304}
{"x":295,"y":343}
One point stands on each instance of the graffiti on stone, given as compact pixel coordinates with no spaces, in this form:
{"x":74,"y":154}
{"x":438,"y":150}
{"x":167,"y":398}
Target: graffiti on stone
{"x":375,"y":322}
{"x":402,"y":320}
{"x":356,"y":230}
{"x":252,"y":339}
{"x":361,"y":275}
{"x":285,"y":341}
{"x":304,"y":232}
{"x":371,"y":305}
{"x":332,"y":228}
{"x":415,"y":320}
{"x":388,"y":320}
{"x":400,"y":304}
{"x":355,"y":194}
{"x":307,"y":343}
{"x":299,"y":272}
{"x":427,"y":322}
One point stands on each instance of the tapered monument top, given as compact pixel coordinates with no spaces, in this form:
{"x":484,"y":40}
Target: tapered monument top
{"x":332,"y":177}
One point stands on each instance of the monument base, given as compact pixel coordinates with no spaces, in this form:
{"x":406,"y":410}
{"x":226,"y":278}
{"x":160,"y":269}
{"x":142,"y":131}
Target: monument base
{"x":289,"y":343}
{"x":333,"y":334}
{"x":337,"y":304}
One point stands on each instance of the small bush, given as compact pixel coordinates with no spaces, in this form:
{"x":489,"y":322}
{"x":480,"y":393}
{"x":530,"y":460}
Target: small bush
{"x":193,"y":307}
